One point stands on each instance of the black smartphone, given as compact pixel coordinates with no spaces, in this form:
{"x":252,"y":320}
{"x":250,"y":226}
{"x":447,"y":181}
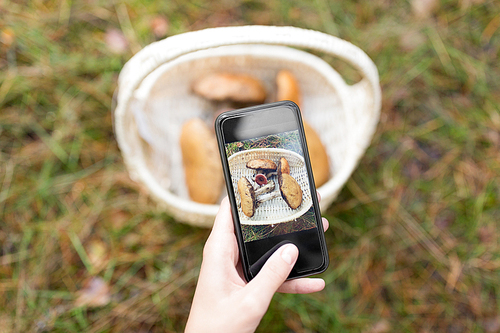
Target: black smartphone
{"x":271,"y":187}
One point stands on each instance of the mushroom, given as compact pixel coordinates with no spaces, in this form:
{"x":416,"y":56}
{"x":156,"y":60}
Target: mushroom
{"x":290,"y":190}
{"x":262,"y":164}
{"x":202,"y":168}
{"x":264,"y":167}
{"x":248,"y":195}
{"x":288,"y":87}
{"x":283,"y":166}
{"x":265,"y":189}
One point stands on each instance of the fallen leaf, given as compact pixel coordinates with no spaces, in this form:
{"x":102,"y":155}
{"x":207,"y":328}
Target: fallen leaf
{"x":131,"y":239}
{"x":380,"y":326}
{"x":95,"y":293}
{"x":7,"y":36}
{"x":116,"y":41}
{"x":423,"y":9}
{"x":444,"y":219}
{"x":6,"y":322}
{"x":474,"y":300}
{"x":295,"y":13}
{"x":160,"y":26}
{"x":493,"y":137}
{"x":118,"y":219}
{"x":486,"y":234}
{"x":411,"y":40}
{"x":98,"y":254}
{"x":492,"y":325}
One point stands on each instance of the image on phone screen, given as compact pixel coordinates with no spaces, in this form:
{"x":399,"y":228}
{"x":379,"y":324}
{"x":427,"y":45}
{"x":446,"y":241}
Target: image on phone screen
{"x":271,"y":185}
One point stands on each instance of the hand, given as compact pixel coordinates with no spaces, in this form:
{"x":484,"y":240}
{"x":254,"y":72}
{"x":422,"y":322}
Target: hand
{"x":223,"y":300}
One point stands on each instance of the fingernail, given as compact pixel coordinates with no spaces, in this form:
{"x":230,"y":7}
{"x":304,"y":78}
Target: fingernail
{"x":288,"y":254}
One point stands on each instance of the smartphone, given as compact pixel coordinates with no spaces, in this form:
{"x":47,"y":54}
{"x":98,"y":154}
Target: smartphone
{"x":271,"y":187}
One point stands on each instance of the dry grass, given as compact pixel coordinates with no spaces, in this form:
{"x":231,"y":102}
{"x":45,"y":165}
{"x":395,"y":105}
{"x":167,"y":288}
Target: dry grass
{"x":414,"y":240}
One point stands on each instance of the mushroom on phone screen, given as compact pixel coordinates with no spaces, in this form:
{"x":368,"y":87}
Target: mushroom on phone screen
{"x":251,"y":198}
{"x":261,"y":179}
{"x":265,"y":168}
{"x":247,"y":196}
{"x":262,"y":165}
{"x":290,"y":190}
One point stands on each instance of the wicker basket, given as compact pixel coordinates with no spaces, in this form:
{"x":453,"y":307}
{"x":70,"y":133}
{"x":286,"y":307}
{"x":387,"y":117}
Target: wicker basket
{"x":154,"y":99}
{"x":276,"y":210}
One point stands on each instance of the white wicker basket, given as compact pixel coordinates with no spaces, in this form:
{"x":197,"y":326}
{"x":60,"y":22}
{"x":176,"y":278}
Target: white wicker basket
{"x":276,"y":210}
{"x":154,"y":99}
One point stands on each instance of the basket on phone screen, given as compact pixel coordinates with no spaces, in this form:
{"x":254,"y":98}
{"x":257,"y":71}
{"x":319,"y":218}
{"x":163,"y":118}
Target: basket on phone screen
{"x":276,"y":210}
{"x":154,"y":99}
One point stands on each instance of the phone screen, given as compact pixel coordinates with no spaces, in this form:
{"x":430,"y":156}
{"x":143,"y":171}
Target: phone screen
{"x":270,"y":186}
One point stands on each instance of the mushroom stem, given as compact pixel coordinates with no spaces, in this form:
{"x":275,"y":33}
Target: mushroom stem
{"x":270,"y":174}
{"x":265,"y":189}
{"x":267,"y":197}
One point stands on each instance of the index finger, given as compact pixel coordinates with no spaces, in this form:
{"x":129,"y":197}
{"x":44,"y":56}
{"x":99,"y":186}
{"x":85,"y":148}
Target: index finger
{"x":224,"y":219}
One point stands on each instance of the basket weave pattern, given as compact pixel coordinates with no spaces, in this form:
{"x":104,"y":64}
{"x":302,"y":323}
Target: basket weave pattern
{"x":154,"y":99}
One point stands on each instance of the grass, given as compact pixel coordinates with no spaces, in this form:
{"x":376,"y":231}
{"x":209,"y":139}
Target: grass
{"x":413,"y":243}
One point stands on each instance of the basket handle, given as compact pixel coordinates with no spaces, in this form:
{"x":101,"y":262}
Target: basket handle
{"x":156,"y":54}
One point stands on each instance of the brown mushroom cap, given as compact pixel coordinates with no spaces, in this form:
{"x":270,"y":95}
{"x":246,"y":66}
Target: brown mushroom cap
{"x":262,"y":164}
{"x":247,"y":195}
{"x":290,"y":190}
{"x":283,"y":166}
{"x":235,"y":87}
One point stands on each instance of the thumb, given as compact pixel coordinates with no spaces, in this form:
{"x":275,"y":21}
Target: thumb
{"x":274,"y":272}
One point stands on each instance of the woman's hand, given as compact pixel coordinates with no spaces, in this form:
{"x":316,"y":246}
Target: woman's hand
{"x":223,"y":300}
